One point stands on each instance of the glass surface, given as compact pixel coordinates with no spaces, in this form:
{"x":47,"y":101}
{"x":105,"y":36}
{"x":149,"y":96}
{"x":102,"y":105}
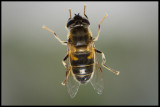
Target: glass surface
{"x":32,"y":71}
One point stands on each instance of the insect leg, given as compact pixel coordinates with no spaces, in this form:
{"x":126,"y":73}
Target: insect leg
{"x":67,"y":74}
{"x":70,"y":13}
{"x":96,"y":38}
{"x":85,"y":11}
{"x":63,"y":42}
{"x":103,"y":63}
{"x":63,"y":61}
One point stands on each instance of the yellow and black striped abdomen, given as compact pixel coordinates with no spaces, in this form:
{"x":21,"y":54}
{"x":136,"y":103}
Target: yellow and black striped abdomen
{"x":82,"y":65}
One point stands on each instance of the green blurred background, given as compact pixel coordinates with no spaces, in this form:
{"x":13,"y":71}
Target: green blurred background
{"x":32,"y":71}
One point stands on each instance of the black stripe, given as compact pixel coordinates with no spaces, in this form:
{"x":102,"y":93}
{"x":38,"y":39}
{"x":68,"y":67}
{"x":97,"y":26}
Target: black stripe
{"x":83,"y":79}
{"x":82,"y":59}
{"x":98,"y":51}
{"x":82,"y":70}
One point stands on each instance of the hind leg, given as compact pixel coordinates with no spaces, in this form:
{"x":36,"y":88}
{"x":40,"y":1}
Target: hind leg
{"x":103,"y":63}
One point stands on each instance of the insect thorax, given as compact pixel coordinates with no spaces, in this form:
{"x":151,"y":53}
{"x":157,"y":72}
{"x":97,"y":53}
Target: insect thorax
{"x":79,"y":36}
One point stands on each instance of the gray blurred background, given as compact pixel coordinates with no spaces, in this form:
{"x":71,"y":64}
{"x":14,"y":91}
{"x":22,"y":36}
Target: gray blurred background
{"x":32,"y":71}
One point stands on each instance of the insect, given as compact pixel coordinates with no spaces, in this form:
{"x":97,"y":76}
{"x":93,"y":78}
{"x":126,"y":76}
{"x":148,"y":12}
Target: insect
{"x":81,"y":62}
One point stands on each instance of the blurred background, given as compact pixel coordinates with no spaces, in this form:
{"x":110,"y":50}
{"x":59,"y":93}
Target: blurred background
{"x":32,"y":71}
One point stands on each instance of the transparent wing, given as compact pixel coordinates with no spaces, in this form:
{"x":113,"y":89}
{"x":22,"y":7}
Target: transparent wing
{"x":71,"y":84}
{"x":97,"y":80}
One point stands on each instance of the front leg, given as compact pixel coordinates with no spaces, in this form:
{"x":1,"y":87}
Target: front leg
{"x":103,"y":63}
{"x":63,"y":42}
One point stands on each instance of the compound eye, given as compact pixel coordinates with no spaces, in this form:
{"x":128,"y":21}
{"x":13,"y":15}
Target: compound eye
{"x":70,"y":23}
{"x":85,"y":21}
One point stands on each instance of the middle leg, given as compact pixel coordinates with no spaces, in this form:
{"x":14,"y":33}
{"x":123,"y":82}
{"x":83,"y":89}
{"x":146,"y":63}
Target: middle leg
{"x":67,"y":72}
{"x":63,"y":61}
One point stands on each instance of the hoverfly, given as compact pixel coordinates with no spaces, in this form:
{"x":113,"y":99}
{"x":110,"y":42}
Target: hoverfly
{"x":81,"y":62}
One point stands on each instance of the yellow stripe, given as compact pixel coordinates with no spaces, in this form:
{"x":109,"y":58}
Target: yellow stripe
{"x":82,"y":75}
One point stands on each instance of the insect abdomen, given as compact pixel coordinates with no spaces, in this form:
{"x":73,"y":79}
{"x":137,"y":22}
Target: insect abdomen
{"x":82,"y":66}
